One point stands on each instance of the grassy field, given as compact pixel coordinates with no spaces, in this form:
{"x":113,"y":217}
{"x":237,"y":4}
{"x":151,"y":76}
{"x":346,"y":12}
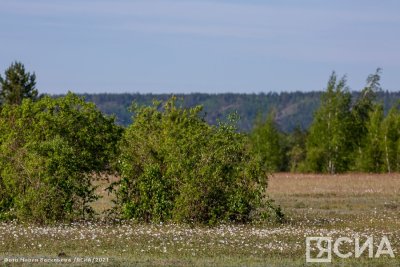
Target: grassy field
{"x":350,"y":205}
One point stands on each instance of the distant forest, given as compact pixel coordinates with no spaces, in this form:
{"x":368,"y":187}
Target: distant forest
{"x":291,"y":109}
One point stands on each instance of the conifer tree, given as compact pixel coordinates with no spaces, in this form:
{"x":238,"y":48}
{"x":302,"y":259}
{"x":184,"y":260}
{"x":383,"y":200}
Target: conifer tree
{"x":17,"y":85}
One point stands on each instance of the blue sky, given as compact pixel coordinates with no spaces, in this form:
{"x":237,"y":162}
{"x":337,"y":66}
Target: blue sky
{"x":200,"y":46}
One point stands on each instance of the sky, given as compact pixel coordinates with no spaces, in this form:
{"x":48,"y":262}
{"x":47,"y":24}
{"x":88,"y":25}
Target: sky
{"x":208,"y":46}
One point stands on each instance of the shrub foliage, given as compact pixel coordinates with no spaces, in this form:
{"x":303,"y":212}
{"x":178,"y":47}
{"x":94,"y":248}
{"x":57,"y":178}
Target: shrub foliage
{"x":176,"y":167}
{"x":49,"y":150}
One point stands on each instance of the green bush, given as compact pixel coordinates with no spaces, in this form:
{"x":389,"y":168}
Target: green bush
{"x":49,"y":150}
{"x":176,"y":167}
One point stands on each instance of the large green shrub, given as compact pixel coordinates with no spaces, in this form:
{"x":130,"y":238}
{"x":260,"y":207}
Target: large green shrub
{"x":176,"y":167}
{"x":49,"y":150}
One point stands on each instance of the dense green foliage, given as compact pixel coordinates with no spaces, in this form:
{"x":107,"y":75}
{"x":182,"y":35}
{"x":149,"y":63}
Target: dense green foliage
{"x":370,"y":158}
{"x":329,"y":143}
{"x":296,"y":150}
{"x":345,"y":134}
{"x":268,"y":143}
{"x":353,"y":137}
{"x":390,"y":140}
{"x":177,"y":167}
{"x":49,"y":150}
{"x":17,"y":85}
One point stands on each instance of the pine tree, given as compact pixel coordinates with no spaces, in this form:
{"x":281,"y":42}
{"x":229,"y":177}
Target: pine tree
{"x":17,"y":85}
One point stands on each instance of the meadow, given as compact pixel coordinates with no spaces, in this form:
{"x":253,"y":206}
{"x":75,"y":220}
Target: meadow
{"x":349,"y":205}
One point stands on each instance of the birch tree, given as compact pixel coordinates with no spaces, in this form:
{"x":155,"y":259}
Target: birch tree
{"x":329,"y":142}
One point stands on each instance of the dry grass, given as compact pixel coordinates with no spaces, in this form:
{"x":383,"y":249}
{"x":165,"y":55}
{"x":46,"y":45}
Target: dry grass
{"x":345,"y":184}
{"x":347,"y":195}
{"x":104,"y":203}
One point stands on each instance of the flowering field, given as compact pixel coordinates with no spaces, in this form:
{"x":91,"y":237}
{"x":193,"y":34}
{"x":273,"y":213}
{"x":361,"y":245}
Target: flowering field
{"x":356,"y":205}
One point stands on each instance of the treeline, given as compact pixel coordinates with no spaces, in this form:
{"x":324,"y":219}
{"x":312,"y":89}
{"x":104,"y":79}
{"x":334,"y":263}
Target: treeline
{"x":217,"y":107}
{"x":173,"y":165}
{"x":346,"y":134}
{"x":292,"y":109}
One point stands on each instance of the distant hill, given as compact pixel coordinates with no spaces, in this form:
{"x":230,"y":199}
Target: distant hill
{"x":291,"y":109}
